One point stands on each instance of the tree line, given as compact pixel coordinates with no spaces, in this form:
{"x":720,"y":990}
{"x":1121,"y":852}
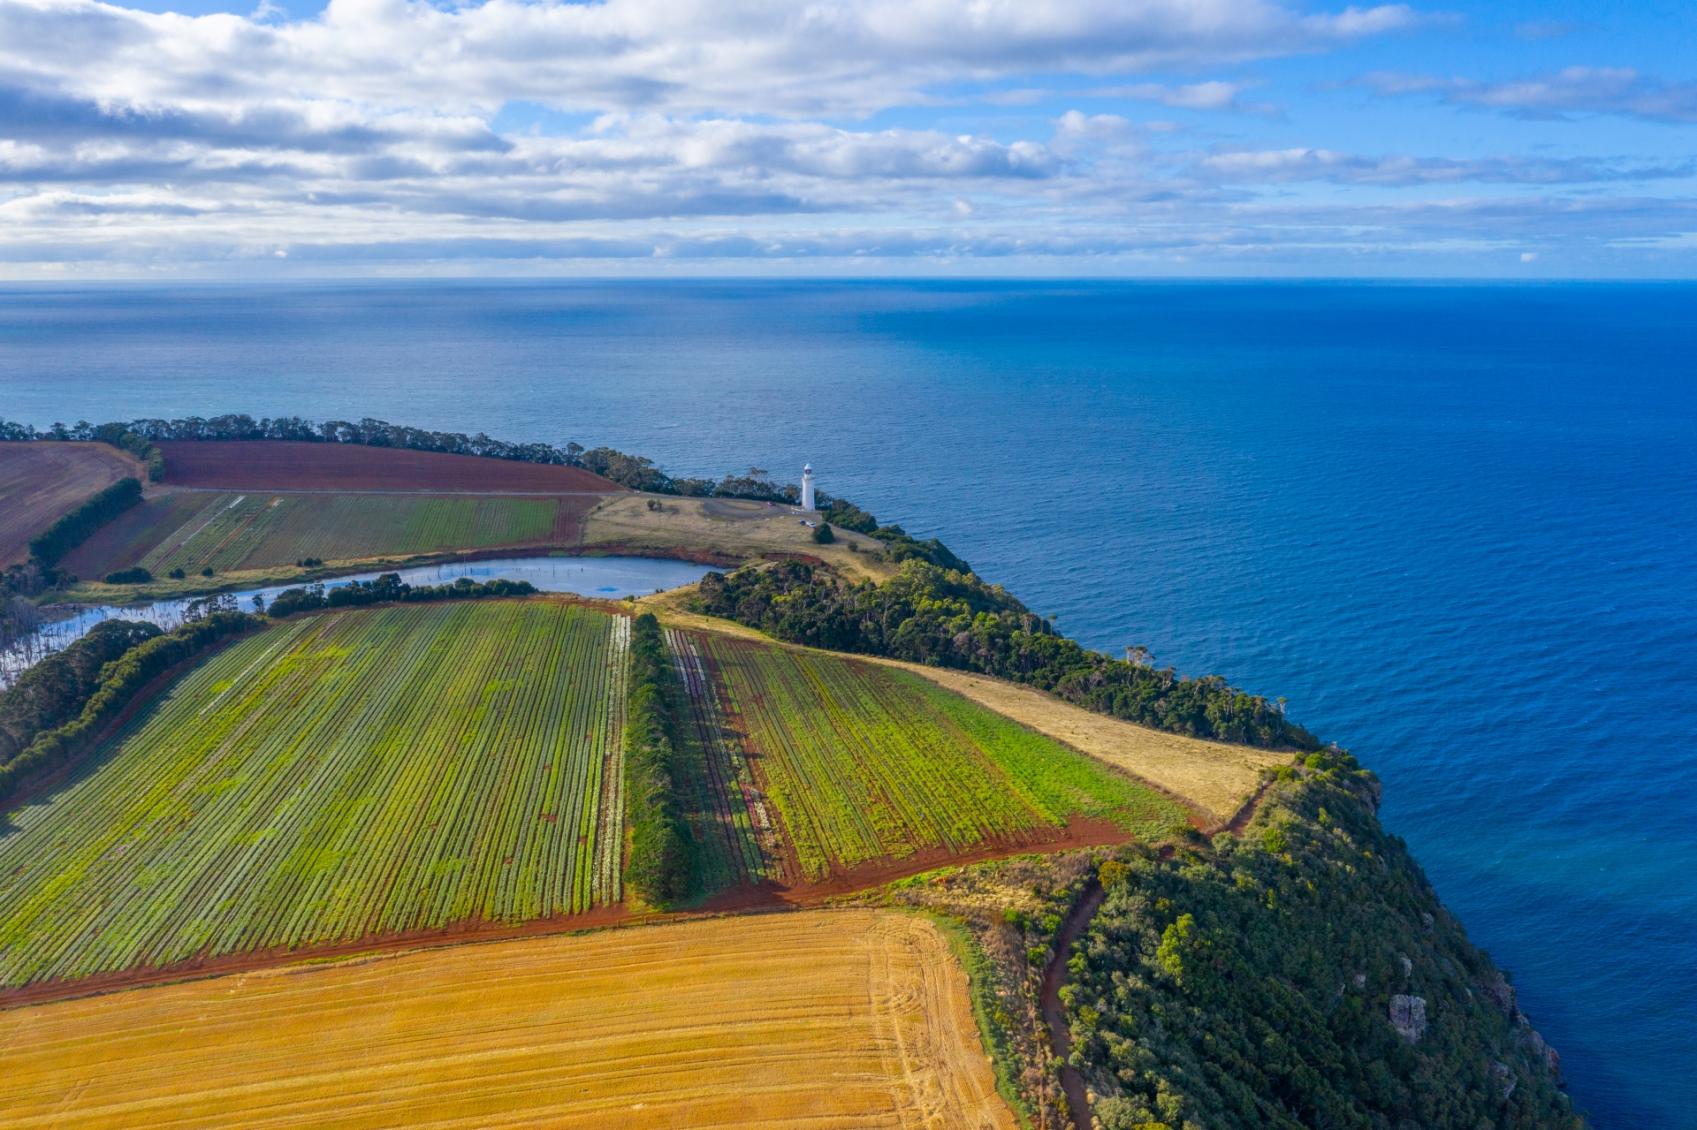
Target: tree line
{"x":388,"y":588}
{"x":660,"y":863}
{"x":950,"y":618}
{"x":73,"y":735}
{"x":73,"y":528}
{"x":52,"y":691}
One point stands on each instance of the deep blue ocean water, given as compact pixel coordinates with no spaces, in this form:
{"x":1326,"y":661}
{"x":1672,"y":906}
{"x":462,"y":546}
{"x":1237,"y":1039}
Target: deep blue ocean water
{"x":1455,"y":525}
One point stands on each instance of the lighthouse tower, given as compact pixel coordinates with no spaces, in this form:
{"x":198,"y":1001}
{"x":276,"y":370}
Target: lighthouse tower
{"x":807,"y":487}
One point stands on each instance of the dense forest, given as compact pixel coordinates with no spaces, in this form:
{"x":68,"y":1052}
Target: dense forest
{"x":1304,"y":975}
{"x":948,"y":618}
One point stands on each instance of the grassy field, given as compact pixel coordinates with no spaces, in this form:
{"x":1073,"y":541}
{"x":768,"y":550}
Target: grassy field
{"x":731,"y":528}
{"x":862,"y":762}
{"x":41,"y":481}
{"x":231,"y":532}
{"x":330,"y":778}
{"x":824,"y":1019}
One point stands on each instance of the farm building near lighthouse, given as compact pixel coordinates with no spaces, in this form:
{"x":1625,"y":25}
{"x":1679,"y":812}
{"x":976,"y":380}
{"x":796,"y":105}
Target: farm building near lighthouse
{"x":807,"y":487}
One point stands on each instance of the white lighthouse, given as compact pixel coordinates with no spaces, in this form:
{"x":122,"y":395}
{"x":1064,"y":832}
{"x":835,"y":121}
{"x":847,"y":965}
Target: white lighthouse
{"x":807,"y":487}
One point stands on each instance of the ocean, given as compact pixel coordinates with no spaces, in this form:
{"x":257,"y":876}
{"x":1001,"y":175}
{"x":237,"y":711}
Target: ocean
{"x":1454,"y":525}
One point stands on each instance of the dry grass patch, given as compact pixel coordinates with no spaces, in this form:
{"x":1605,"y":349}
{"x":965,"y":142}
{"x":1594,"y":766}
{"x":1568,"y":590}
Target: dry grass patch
{"x":735,"y":528}
{"x":829,"y":1018}
{"x":1217,"y":777}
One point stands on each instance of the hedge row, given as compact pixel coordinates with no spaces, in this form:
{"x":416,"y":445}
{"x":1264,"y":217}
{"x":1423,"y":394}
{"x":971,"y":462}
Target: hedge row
{"x":120,"y":437}
{"x":55,"y":689}
{"x":388,"y":587}
{"x":120,"y":680}
{"x":72,"y":529}
{"x":660,"y":864}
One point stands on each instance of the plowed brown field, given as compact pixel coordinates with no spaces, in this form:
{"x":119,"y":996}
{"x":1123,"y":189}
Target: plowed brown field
{"x":40,"y":481}
{"x":275,"y":465}
{"x":825,"y":1018}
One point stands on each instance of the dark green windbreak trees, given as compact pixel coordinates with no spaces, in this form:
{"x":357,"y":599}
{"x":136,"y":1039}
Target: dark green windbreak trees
{"x":53,"y":691}
{"x":74,"y":528}
{"x":659,"y":867}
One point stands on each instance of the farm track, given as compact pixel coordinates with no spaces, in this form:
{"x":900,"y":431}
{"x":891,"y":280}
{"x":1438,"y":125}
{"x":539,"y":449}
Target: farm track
{"x":1054,"y":1012}
{"x":727,"y":814}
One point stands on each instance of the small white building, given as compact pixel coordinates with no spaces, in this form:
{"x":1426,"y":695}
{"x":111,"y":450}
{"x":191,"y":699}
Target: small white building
{"x":807,"y":488}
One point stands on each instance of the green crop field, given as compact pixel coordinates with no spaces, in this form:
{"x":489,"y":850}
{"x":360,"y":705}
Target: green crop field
{"x":330,"y":778}
{"x":252,"y":531}
{"x":735,"y":837}
{"x":863,"y":762}
{"x":231,"y":531}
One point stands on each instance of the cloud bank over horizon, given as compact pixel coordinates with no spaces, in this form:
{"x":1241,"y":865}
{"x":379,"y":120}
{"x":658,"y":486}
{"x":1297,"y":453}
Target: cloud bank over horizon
{"x":1122,"y":137}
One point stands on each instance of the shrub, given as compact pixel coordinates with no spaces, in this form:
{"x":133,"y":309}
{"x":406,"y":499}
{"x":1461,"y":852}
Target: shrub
{"x":135,"y":576}
{"x":823,"y":534}
{"x":176,"y":574}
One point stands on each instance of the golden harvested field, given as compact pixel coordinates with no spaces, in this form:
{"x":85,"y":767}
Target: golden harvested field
{"x":820,"y":1019}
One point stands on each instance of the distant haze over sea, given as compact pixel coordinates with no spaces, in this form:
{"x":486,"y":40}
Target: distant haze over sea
{"x":1455,"y":525}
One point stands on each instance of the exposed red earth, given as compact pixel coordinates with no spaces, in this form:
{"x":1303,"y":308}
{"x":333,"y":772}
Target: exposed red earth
{"x":39,"y":481}
{"x":280,"y":465}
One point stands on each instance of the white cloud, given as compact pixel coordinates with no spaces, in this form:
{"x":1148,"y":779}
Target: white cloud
{"x":1213,"y":95}
{"x":1573,"y":90}
{"x":707,"y":130}
{"x":1302,"y":164}
{"x":737,"y":56}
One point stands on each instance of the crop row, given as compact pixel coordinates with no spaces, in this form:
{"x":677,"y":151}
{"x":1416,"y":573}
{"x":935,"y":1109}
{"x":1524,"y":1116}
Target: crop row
{"x":865,"y":762}
{"x":734,"y":835}
{"x":339,"y":776}
{"x":234,"y":531}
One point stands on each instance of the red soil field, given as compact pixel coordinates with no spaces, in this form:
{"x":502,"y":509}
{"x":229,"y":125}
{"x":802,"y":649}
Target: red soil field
{"x":278,"y":465}
{"x":41,"y":480}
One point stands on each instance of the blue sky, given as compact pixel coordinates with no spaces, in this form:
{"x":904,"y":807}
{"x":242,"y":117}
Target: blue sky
{"x":874,"y":137}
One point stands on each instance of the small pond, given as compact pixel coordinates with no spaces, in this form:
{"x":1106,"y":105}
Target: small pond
{"x":611,"y":578}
